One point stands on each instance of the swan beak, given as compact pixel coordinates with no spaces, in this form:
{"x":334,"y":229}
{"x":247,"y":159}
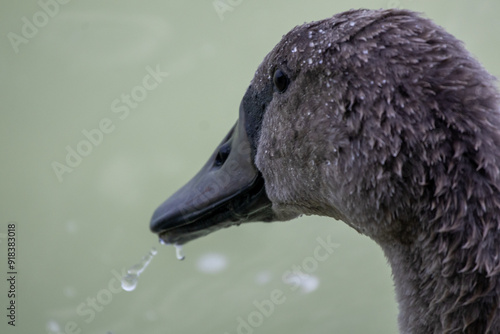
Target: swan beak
{"x":228,"y":190}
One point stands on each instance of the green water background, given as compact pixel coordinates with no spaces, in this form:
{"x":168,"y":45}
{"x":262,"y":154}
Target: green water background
{"x":75,"y":232}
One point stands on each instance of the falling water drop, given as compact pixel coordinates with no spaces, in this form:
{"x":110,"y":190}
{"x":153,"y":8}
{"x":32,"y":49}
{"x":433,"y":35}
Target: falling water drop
{"x":178,"y":249}
{"x":130,"y":279}
{"x":178,"y":252}
{"x":129,"y":282}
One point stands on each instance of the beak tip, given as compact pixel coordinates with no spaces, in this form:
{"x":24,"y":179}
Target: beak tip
{"x":156,"y":222}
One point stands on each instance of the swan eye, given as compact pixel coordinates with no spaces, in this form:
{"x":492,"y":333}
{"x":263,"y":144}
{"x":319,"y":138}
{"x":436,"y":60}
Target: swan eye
{"x":280,"y":80}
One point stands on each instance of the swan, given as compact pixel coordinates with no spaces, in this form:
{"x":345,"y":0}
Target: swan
{"x":383,"y":120}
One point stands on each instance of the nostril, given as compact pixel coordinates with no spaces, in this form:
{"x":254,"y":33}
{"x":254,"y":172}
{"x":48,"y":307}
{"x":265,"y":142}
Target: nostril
{"x":222,"y":155}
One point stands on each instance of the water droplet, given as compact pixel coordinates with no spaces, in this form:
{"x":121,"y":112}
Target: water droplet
{"x":352,"y":24}
{"x":178,"y":252}
{"x":212,"y":263}
{"x":130,"y":279}
{"x":311,"y":44}
{"x":135,"y":269}
{"x":294,"y":49}
{"x":365,"y":52}
{"x":129,"y":282}
{"x":71,"y":227}
{"x":310,"y":61}
{"x":69,"y":291}
{"x":263,"y":277}
{"x":53,"y":327}
{"x":307,"y":283}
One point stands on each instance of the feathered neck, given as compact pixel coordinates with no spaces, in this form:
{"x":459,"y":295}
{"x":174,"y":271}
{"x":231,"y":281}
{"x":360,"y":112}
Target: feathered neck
{"x":448,"y":277}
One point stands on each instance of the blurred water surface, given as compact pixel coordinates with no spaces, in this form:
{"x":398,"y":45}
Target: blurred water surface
{"x":65,"y":79}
